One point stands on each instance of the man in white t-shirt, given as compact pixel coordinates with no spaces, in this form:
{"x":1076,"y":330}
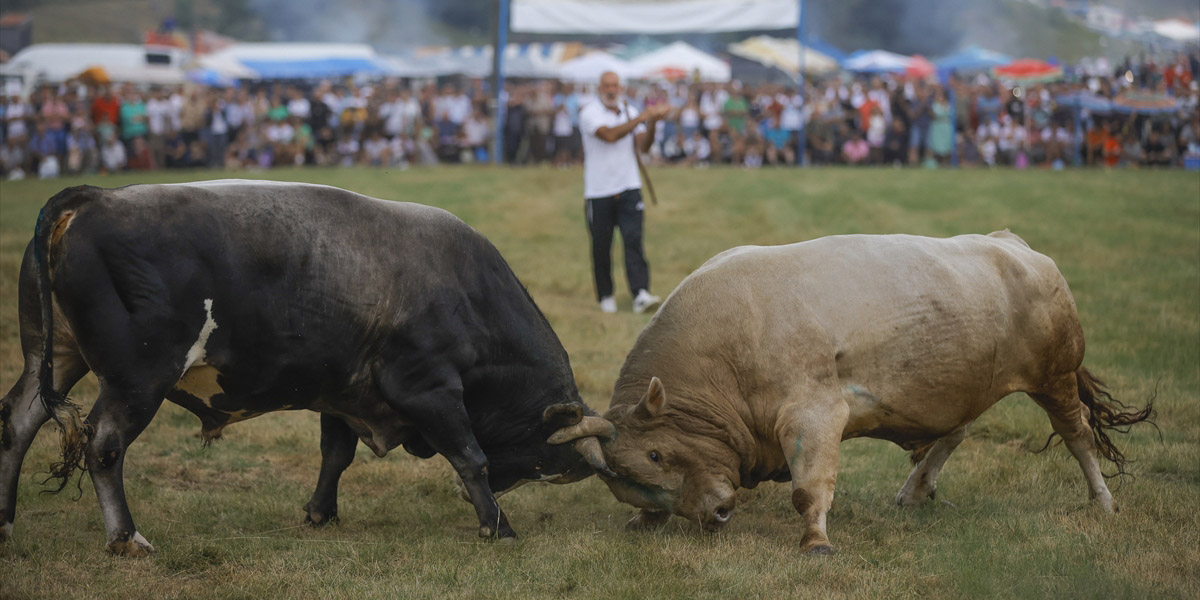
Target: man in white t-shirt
{"x":613,"y":189}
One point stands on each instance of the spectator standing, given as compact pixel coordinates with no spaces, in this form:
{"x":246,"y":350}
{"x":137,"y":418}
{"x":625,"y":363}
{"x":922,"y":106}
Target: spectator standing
{"x":475,"y":135}
{"x":82,"y":155}
{"x":920,"y":117}
{"x":540,"y":108}
{"x":56,"y":115}
{"x":158,"y":120}
{"x":105,"y":106}
{"x":612,"y":188}
{"x":133,"y":119}
{"x":941,"y":130}
{"x":191,"y":116}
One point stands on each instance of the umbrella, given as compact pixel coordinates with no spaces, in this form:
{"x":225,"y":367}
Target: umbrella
{"x":1028,"y":70}
{"x":94,"y":76}
{"x":919,"y":67}
{"x":972,"y":58}
{"x":1144,"y":102}
{"x":1098,"y":105}
{"x":876,"y":61}
{"x":211,"y":78}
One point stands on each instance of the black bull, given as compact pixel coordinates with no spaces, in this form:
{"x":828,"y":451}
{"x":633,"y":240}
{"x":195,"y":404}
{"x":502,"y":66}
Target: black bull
{"x":397,"y":322}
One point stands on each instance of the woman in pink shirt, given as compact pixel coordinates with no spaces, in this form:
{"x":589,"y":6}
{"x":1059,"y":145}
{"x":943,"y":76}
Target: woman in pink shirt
{"x":55,"y":114}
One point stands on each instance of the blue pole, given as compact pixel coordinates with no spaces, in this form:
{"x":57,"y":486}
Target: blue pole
{"x":498,"y":64}
{"x":953,"y":123}
{"x":800,"y":78}
{"x":1078,"y":160}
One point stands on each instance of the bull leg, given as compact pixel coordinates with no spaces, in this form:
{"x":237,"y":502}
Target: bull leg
{"x":117,"y":419}
{"x":338,"y":442}
{"x":21,"y":416}
{"x":444,"y":424}
{"x":810,"y":433}
{"x":922,"y":481}
{"x":1067,"y":417}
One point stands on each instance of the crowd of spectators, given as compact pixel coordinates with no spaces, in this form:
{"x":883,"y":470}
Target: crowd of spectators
{"x":75,"y":128}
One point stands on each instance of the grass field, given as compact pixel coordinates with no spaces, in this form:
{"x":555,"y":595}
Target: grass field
{"x":226,"y":519}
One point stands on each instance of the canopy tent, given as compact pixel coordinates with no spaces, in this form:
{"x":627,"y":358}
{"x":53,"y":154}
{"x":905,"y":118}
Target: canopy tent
{"x":663,"y":17}
{"x":972,"y":59}
{"x":1178,"y":30}
{"x":681,"y":60}
{"x":536,"y":60}
{"x":54,"y":63}
{"x":876,"y":61}
{"x":304,"y":60}
{"x":783,"y":54}
{"x":589,"y":67}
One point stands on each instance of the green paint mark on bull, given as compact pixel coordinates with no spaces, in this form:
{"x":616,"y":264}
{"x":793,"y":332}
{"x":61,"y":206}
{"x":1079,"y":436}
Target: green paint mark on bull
{"x":797,"y":453}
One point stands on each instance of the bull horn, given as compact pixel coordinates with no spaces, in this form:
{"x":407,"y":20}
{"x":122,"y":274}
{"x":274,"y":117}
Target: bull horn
{"x":587,"y":427}
{"x":589,"y":447}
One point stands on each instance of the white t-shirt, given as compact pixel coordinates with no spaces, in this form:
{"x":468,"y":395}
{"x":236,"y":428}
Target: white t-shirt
{"x":608,"y":168}
{"x":158,"y":111}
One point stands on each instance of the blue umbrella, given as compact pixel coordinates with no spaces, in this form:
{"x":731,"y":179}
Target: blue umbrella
{"x":1098,"y":105}
{"x":211,"y":78}
{"x":972,"y":58}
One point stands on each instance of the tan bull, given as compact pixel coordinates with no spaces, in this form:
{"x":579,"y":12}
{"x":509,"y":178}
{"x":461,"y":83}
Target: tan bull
{"x":763,"y":360}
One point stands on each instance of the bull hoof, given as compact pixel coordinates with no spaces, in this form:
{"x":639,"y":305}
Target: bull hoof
{"x":317,"y":519}
{"x":821,"y":550}
{"x":134,"y":546}
{"x":647,"y":520}
{"x":5,"y":533}
{"x":1107,"y":504}
{"x":505,"y":535}
{"x":908,"y":499}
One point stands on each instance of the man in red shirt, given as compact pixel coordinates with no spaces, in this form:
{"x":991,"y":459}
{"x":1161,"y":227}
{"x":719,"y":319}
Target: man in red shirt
{"x":106,"y":105}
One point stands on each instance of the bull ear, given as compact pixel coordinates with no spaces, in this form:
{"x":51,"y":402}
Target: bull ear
{"x":655,"y":400}
{"x":558,"y":416}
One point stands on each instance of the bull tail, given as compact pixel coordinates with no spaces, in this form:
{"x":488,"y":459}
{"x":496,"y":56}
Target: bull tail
{"x":1107,"y":414}
{"x":51,"y":223}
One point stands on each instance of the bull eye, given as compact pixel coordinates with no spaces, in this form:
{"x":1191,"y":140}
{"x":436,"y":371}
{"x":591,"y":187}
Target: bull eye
{"x":654,"y":456}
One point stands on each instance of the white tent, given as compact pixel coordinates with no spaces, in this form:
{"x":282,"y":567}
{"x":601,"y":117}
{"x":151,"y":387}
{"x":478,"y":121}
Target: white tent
{"x":271,"y":60}
{"x":1178,"y":30}
{"x":589,"y":67}
{"x":54,"y":63}
{"x":681,"y":60}
{"x":876,"y":61}
{"x":783,"y":54}
{"x":659,"y":17}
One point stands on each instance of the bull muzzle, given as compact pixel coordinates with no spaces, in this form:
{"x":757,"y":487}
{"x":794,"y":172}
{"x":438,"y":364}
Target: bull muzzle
{"x":585,"y":431}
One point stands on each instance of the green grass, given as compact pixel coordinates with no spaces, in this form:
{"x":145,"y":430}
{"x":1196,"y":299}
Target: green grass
{"x":225,"y":519}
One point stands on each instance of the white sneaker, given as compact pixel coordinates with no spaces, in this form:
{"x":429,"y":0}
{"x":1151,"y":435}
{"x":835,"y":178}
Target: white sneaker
{"x":608,"y":304}
{"x":645,"y":301}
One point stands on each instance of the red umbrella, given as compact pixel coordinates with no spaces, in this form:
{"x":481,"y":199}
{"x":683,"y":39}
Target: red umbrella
{"x":919,"y":67}
{"x":1028,"y":70}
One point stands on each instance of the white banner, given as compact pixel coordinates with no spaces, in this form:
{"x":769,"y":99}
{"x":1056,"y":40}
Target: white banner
{"x":677,"y":16}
